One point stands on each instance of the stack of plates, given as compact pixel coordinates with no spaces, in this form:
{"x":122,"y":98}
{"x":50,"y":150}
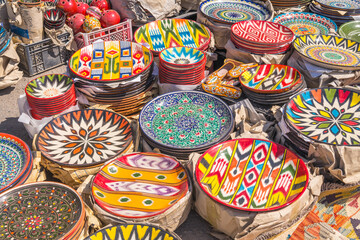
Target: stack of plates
{"x":180,"y":123}
{"x":115,"y":73}
{"x":182,"y":66}
{"x":54,"y":18}
{"x":271,"y":84}
{"x":350,"y":30}
{"x":16,"y":161}
{"x":302,"y":23}
{"x":233,"y":11}
{"x":261,"y":37}
{"x":50,"y":95}
{"x":42,"y":210}
{"x":140,"y":185}
{"x":85,"y":138}
{"x":162,"y":34}
{"x":281,"y":4}
{"x":5,"y":39}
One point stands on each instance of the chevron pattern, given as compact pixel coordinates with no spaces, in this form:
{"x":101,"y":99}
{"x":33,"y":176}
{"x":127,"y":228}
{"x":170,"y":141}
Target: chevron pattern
{"x":170,"y":34}
{"x":157,"y":42}
{"x":184,"y":34}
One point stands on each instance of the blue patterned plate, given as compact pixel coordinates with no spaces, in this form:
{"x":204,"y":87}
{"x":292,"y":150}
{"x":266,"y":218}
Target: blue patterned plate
{"x":341,"y":4}
{"x":181,"y":56}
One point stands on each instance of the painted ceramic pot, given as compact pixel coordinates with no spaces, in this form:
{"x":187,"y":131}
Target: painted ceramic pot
{"x":350,"y":30}
{"x":109,"y":18}
{"x":76,"y":22}
{"x":103,"y":5}
{"x":91,"y":24}
{"x":69,"y":6}
{"x":82,"y":7}
{"x":93,"y":11}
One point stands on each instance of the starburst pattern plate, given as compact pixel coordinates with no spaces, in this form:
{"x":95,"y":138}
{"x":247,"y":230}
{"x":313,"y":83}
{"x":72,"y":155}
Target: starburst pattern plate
{"x":180,"y":56}
{"x":85,"y":137}
{"x":326,"y":115}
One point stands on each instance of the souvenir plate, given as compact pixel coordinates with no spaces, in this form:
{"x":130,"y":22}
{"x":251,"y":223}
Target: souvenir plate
{"x":110,"y":61}
{"x":42,"y":210}
{"x":350,"y":30}
{"x":186,"y":120}
{"x":182,"y":56}
{"x":162,"y":34}
{"x":84,"y":137}
{"x":302,"y":23}
{"x":341,"y":4}
{"x":252,"y":174}
{"x":329,"y":51}
{"x":231,"y":11}
{"x":326,"y":115}
{"x":140,"y":185}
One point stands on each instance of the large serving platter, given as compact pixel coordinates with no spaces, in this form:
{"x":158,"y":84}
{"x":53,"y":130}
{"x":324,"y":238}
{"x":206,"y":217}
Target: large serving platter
{"x":341,"y":4}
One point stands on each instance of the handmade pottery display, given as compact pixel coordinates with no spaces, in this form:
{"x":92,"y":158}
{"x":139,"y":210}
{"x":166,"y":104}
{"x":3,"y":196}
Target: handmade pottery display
{"x":350,"y":30}
{"x":69,"y":6}
{"x":81,"y":7}
{"x":93,"y":11}
{"x":284,"y":4}
{"x":76,"y":22}
{"x":103,"y":5}
{"x":54,"y":18}
{"x":91,"y":24}
{"x":109,"y":18}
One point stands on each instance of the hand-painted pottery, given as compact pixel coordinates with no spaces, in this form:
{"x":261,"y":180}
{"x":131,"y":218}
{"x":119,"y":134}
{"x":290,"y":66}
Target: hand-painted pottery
{"x":252,"y":174}
{"x":140,"y":185}
{"x":167,"y":33}
{"x":133,"y":232}
{"x":69,"y":6}
{"x":186,"y":120}
{"x":81,"y":7}
{"x":350,"y":30}
{"x":231,"y":11}
{"x":111,"y":61}
{"x":94,"y":11}
{"x":84,"y":137}
{"x":302,"y":23}
{"x":340,"y":4}
{"x":103,"y":5}
{"x":91,"y":24}
{"x":42,"y":210}
{"x":326,"y":115}
{"x":329,"y":51}
{"x":54,"y":15}
{"x":270,"y":78}
{"x":109,"y":18}
{"x":76,"y":22}
{"x":181,"y":56}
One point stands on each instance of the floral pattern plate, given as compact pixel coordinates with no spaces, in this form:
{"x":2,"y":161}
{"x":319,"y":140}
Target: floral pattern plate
{"x":84,"y":137}
{"x":140,"y":185}
{"x":231,"y":11}
{"x":341,"y":4}
{"x":186,"y":120}
{"x":329,"y":51}
{"x":252,"y":174}
{"x":180,"y":56}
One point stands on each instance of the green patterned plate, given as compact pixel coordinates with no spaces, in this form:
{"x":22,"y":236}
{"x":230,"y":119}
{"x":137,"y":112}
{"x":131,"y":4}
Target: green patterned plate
{"x":350,"y":30}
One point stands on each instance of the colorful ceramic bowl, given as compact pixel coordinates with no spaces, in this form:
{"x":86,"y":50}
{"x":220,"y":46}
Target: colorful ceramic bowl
{"x":182,"y":56}
{"x":340,"y":4}
{"x":350,"y":30}
{"x":54,"y":15}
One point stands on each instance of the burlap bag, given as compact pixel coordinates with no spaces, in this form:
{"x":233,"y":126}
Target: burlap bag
{"x":9,"y":70}
{"x":54,"y":33}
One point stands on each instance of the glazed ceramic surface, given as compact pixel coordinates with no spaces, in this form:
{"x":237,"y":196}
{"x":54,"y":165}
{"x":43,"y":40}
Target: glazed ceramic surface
{"x":84,"y":137}
{"x":270,"y":78}
{"x":54,"y":15}
{"x":306,"y":23}
{"x":110,"y":60}
{"x":251,"y":174}
{"x":140,"y":185}
{"x":186,"y":120}
{"x":49,"y":86}
{"x":42,"y":210}
{"x":168,"y":33}
{"x":326,"y":115}
{"x":181,"y":55}
{"x":341,"y":4}
{"x":350,"y":30}
{"x":231,"y":11}
{"x":329,"y":51}
{"x":133,"y":232}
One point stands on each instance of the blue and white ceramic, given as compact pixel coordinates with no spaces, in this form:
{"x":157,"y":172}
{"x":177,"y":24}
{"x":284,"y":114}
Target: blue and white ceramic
{"x":182,"y":55}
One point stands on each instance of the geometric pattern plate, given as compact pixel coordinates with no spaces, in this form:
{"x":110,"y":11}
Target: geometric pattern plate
{"x":181,"y":55}
{"x":341,"y":4}
{"x":84,"y":137}
{"x":252,"y":174}
{"x":326,"y":115}
{"x":49,"y":86}
{"x":140,"y":185}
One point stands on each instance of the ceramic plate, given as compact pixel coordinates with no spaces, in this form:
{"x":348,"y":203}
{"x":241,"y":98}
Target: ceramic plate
{"x":167,"y":33}
{"x":110,"y":61}
{"x":42,"y":210}
{"x":350,"y":30}
{"x":84,"y":137}
{"x":252,"y":174}
{"x":186,"y":120}
{"x":341,"y":4}
{"x":231,"y":11}
{"x":180,"y":56}
{"x":140,"y":185}
{"x":329,"y":51}
{"x":326,"y":115}
{"x":302,"y":23}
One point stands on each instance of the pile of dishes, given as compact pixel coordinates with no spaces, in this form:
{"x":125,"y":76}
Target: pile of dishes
{"x":54,"y":18}
{"x":271,"y":84}
{"x":29,"y":3}
{"x":167,"y":33}
{"x":16,"y":161}
{"x":180,"y":123}
{"x":139,"y":185}
{"x":281,"y":4}
{"x":350,"y":30}
{"x":182,"y":66}
{"x":115,"y":73}
{"x":42,"y":210}
{"x":5,"y":39}
{"x":261,"y":37}
{"x":303,"y":23}
{"x":50,"y":95}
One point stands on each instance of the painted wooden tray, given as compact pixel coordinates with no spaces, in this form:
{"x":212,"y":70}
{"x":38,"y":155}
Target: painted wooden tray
{"x":252,"y":174}
{"x":140,"y":185}
{"x":326,"y":115}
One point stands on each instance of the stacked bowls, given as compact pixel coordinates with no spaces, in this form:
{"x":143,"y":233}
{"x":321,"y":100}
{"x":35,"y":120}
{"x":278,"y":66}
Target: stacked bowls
{"x":50,"y":95}
{"x":54,"y":18}
{"x":282,"y":4}
{"x":182,"y":66}
{"x":261,"y":37}
{"x":5,"y":39}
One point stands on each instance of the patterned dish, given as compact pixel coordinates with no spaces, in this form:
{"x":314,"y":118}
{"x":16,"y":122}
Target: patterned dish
{"x":329,"y":51}
{"x":162,"y":34}
{"x":326,"y":115}
{"x":54,"y":15}
{"x":84,"y":137}
{"x":186,"y":120}
{"x":340,"y":4}
{"x":181,"y":56}
{"x":350,"y":30}
{"x":111,"y":61}
{"x":302,"y":23}
{"x":252,"y":174}
{"x":140,"y":185}
{"x":231,"y":11}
